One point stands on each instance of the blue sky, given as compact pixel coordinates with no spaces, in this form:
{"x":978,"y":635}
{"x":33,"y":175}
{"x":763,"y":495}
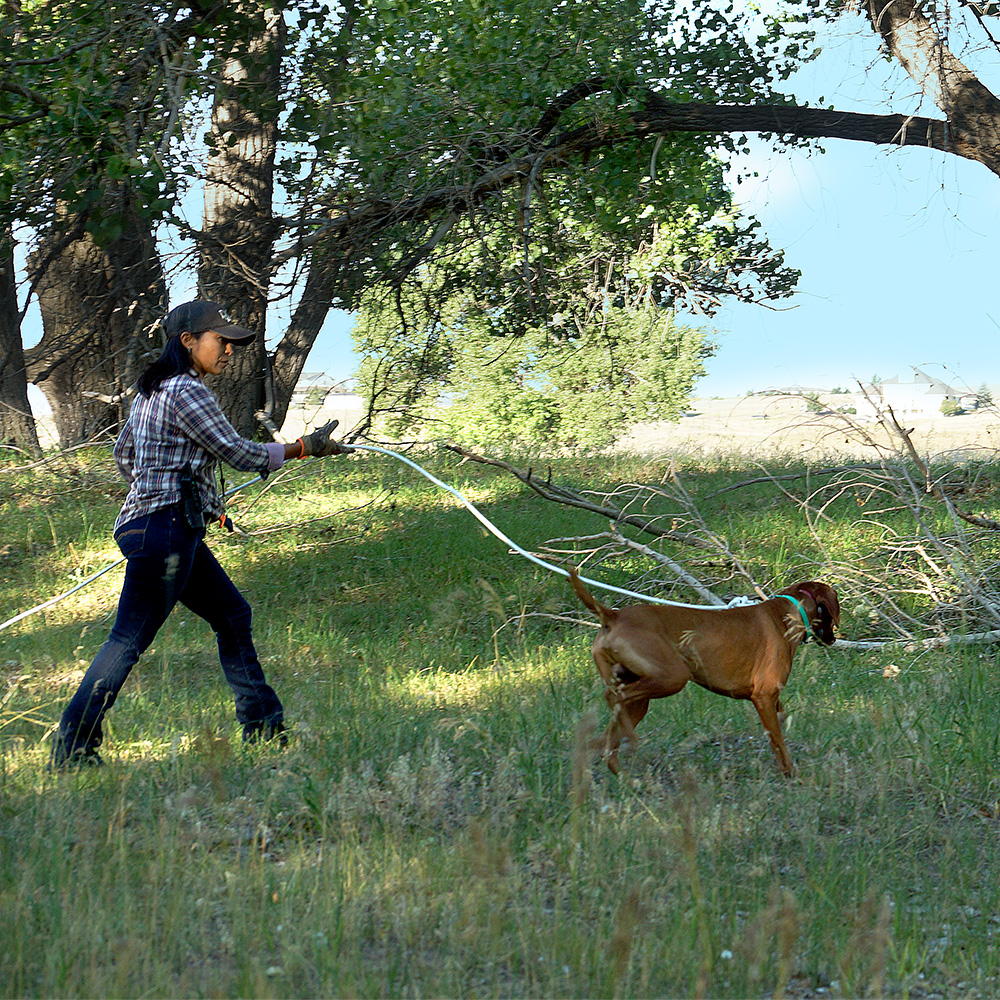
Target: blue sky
{"x":898,"y":260}
{"x":897,"y":250}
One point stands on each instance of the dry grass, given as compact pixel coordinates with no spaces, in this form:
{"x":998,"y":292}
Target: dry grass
{"x":765,"y":427}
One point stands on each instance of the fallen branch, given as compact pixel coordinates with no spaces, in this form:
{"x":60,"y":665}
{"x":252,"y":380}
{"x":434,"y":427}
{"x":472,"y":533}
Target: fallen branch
{"x":571,"y":498}
{"x":919,"y":573}
{"x":622,"y":542}
{"x":889,"y":421}
{"x":683,"y":575}
{"x":758,"y":480}
{"x":939,"y":642}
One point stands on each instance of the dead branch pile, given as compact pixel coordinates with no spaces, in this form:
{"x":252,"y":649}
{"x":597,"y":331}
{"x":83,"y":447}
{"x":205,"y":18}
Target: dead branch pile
{"x":924,"y":564}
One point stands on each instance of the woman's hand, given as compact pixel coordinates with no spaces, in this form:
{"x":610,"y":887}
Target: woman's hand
{"x":321,"y":442}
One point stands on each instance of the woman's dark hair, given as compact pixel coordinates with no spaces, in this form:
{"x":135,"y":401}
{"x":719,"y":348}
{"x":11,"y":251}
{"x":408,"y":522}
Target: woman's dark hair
{"x":174,"y":360}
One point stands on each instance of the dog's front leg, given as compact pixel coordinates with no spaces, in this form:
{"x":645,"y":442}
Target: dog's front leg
{"x":768,"y":707}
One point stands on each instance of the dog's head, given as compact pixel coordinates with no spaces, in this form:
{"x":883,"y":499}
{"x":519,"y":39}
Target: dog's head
{"x":822,"y":606}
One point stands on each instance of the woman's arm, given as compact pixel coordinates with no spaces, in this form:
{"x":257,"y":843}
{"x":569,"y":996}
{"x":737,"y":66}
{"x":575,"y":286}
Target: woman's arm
{"x":124,"y":451}
{"x":200,"y":418}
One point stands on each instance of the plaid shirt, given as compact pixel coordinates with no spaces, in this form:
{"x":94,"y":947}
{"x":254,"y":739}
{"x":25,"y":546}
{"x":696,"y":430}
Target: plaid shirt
{"x":181,"y":425}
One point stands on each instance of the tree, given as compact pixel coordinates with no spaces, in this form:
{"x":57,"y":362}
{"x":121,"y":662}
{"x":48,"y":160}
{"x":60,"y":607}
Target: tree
{"x":79,"y":175}
{"x":98,"y":301}
{"x":426,"y":150}
{"x":640,"y":366}
{"x":613,"y":355}
{"x":446,"y":138}
{"x":16,"y":425}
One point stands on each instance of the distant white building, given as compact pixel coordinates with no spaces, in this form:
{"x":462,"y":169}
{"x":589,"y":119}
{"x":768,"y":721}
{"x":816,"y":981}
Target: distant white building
{"x":316,"y":399}
{"x":313,"y":388}
{"x":921,"y":397}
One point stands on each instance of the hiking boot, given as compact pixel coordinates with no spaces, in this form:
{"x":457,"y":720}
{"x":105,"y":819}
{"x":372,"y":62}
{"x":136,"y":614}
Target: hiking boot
{"x":77,"y":759}
{"x":269,"y":731}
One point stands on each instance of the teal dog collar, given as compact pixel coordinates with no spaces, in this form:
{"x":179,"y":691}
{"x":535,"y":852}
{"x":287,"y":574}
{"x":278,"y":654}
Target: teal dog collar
{"x":802,"y":611}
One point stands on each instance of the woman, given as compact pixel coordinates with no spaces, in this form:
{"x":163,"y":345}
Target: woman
{"x":173,"y":438}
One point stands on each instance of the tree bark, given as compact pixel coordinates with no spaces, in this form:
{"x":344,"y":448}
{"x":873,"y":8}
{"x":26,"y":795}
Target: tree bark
{"x":239,"y":229}
{"x":98,"y":305}
{"x":971,"y":111}
{"x":17,"y":425}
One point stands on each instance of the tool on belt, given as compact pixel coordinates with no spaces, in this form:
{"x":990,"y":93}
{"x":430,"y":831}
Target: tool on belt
{"x":191,"y":501}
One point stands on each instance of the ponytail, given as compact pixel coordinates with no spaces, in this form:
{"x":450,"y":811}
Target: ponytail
{"x":175,"y":360}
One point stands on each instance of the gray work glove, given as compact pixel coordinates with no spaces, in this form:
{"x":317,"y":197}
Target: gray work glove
{"x":320,"y":442}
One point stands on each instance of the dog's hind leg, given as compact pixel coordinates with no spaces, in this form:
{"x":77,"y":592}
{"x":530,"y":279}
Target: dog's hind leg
{"x":608,"y":744}
{"x":625,"y":716}
{"x":628,"y":695}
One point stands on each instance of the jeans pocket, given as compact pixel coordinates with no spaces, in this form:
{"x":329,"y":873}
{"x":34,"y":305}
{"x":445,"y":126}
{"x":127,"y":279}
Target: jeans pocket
{"x":131,"y":536}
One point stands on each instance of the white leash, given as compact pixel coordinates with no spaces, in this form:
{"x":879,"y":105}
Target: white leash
{"x":56,"y":600}
{"x":99,"y":573}
{"x":494,"y":530}
{"x":489,"y":525}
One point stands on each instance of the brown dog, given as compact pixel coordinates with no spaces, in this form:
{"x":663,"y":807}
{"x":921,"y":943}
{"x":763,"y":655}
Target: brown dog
{"x":649,"y":651}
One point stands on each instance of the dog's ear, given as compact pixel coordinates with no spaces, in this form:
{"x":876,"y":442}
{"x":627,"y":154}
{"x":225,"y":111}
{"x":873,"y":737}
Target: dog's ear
{"x":826,"y":596}
{"x":827,"y":611}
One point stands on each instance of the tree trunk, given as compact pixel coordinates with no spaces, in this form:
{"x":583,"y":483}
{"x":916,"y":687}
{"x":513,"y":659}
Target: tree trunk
{"x":99,"y":306}
{"x":239,"y":230}
{"x":17,"y":425}
{"x":972,"y":112}
{"x":310,"y":314}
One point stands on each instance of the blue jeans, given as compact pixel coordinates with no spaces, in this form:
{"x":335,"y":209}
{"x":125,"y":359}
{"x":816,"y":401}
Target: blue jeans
{"x":168,"y":561}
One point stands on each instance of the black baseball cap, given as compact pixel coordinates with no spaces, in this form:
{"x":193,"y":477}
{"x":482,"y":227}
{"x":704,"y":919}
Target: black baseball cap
{"x":201,"y":315}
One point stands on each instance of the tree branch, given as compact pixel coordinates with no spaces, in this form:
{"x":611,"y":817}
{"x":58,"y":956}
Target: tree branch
{"x":888,"y":418}
{"x":663,"y":117}
{"x":920,"y":47}
{"x":571,"y":498}
{"x":658,"y":116}
{"x":564,"y":101}
{"x":675,"y":567}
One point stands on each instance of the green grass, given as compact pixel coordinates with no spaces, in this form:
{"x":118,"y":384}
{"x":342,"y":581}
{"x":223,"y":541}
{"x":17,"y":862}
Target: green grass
{"x":432,"y":829}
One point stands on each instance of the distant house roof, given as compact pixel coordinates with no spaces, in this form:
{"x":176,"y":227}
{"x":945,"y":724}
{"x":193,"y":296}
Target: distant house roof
{"x":932,"y":386}
{"x":323,"y":382}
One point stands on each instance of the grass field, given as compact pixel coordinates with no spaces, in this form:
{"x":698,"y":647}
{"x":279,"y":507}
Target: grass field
{"x":436,"y":827}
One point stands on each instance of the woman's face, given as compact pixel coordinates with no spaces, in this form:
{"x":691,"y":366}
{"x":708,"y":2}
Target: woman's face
{"x":210,"y":353}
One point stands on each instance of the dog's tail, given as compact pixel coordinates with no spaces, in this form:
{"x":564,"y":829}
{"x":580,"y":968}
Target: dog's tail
{"x":607,"y":615}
